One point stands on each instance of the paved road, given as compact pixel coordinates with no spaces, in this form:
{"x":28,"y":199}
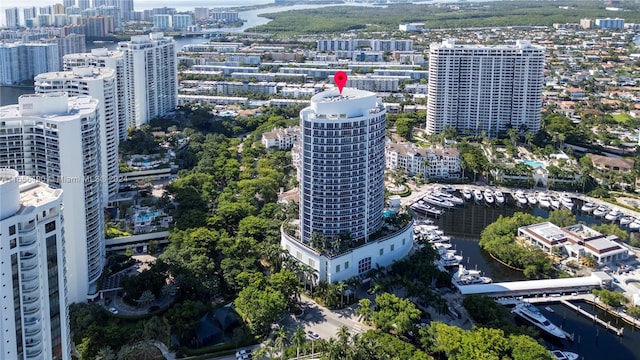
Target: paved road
{"x":323,"y":321}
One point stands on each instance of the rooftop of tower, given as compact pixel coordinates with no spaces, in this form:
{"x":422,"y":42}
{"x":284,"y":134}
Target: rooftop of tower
{"x":54,"y":106}
{"x":351,"y":103}
{"x":33,"y":192}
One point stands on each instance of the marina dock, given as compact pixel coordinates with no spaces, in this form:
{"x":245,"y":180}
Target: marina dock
{"x":606,"y":325}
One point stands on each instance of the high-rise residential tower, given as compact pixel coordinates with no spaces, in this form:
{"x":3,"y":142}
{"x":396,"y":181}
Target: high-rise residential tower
{"x":341,"y":172}
{"x":151,"y":77}
{"x":102,"y":57}
{"x":12,"y":17}
{"x":56,"y":138}
{"x":100,"y":84}
{"x":35,"y":319}
{"x":484,"y":89}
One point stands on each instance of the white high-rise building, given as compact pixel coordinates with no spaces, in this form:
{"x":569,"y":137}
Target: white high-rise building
{"x":102,"y":57}
{"x":56,"y":138}
{"x":100,"y":84}
{"x":162,"y":22}
{"x":341,"y":172}
{"x":182,"y":21}
{"x":35,"y":319}
{"x":20,"y":62}
{"x":150,"y":69}
{"x":489,"y":89}
{"x":12,"y":17}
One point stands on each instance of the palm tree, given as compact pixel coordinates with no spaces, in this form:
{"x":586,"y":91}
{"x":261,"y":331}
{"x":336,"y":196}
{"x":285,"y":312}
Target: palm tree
{"x":332,"y":349}
{"x":299,"y":338}
{"x":105,"y":353}
{"x":344,"y":335}
{"x":146,"y":298}
{"x":352,"y":284}
{"x":282,"y":341}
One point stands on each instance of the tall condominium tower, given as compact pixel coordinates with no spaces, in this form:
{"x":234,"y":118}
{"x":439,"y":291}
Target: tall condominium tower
{"x":22,"y":61}
{"x":100,"y":84}
{"x":489,"y":89}
{"x":151,"y":77}
{"x":102,"y":57}
{"x":35,"y":319}
{"x":12,"y":17}
{"x":56,"y":138}
{"x":341,"y":171}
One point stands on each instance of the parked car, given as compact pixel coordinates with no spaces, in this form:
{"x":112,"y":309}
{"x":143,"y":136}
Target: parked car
{"x":113,"y":310}
{"x":313,"y":335}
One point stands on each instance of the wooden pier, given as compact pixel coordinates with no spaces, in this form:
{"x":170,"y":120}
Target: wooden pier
{"x":606,"y":325}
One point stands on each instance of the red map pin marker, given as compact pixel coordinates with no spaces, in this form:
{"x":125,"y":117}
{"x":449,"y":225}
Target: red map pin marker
{"x":340,"y":78}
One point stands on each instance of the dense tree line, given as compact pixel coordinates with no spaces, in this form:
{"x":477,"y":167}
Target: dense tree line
{"x":499,"y":239}
{"x":527,"y":13}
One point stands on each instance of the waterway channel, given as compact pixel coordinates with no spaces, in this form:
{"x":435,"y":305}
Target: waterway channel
{"x":464,"y":225}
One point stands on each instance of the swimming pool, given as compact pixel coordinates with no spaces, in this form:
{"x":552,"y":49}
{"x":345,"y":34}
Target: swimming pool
{"x":147,"y":216}
{"x":388,"y":213}
{"x":534,"y":164}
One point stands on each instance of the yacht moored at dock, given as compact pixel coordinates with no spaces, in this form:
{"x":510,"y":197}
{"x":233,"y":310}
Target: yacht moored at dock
{"x":499,"y":197}
{"x":521,"y":199}
{"x":588,"y":207}
{"x":531,"y":314}
{"x":564,"y":355}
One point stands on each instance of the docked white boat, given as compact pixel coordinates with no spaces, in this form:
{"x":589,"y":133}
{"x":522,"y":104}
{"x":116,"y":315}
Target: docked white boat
{"x":635,"y":225}
{"x":425,"y":209}
{"x":566,"y":201}
{"x":521,"y":199}
{"x":477,"y":195}
{"x":499,"y":197}
{"x":613,"y":215}
{"x":488,"y":197}
{"x":448,"y":259}
{"x":544,"y":200}
{"x":626,"y":220}
{"x":588,"y":207}
{"x":441,"y":245}
{"x":600,"y":211}
{"x":555,"y":203}
{"x":532,"y":200}
{"x":564,"y":355}
{"x":446,"y":196}
{"x":466,"y":193}
{"x":436,"y":200}
{"x":469,"y":277}
{"x":531,"y":314}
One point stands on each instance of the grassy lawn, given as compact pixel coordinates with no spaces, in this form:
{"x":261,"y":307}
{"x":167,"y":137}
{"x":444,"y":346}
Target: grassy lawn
{"x":621,"y":117}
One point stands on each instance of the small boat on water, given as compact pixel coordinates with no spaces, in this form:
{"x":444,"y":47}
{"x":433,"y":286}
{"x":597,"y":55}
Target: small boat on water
{"x":437,"y":200}
{"x":499,"y":197}
{"x":477,"y":195}
{"x":488,"y":197}
{"x":469,"y":277}
{"x":449,"y":259}
{"x":531,"y":314}
{"x":564,"y":355}
{"x":549,"y":309}
{"x":566,"y":201}
{"x":466,"y":193}
{"x":600,"y":211}
{"x":613,"y":215}
{"x":544,"y":200}
{"x":626,"y":220}
{"x":555,"y":203}
{"x":588,"y":207}
{"x":532,"y":199}
{"x":425,"y":209}
{"x":521,"y":199}
{"x":447,"y":196}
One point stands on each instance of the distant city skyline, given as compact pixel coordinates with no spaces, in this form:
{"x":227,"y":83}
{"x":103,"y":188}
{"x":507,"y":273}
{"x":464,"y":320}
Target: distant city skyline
{"x":148,"y":4}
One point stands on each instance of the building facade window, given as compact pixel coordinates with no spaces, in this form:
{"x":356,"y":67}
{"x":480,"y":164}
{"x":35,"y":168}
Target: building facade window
{"x":364,"y":265}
